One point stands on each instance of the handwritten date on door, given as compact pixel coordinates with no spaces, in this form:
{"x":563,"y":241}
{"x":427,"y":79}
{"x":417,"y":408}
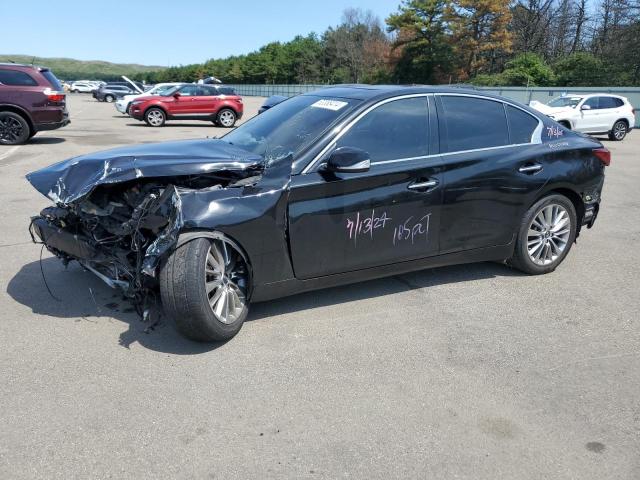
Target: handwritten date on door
{"x":409,"y":230}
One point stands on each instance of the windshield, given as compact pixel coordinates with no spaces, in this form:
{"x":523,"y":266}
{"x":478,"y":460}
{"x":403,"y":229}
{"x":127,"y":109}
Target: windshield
{"x":169,"y":91}
{"x":290,"y":126}
{"x":565,"y":102}
{"x":160,"y":89}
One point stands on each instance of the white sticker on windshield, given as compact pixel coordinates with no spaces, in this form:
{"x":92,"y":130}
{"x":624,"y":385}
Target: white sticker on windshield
{"x":329,"y":104}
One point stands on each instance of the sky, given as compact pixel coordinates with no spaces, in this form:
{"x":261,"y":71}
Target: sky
{"x":164,"y":32}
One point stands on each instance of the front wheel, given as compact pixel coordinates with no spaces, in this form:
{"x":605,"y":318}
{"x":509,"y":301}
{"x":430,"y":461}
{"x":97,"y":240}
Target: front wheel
{"x":226,"y":118}
{"x":546,"y":234}
{"x":204,"y":286}
{"x":619,"y":131}
{"x":155,"y":117}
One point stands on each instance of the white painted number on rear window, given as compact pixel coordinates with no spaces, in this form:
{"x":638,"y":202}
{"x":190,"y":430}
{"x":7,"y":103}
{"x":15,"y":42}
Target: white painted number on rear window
{"x":329,"y":104}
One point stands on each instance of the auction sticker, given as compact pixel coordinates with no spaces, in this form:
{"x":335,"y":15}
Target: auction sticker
{"x":329,"y":104}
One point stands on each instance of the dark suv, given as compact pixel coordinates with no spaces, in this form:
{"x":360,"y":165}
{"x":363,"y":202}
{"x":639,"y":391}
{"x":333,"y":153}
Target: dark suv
{"x":31,"y":100}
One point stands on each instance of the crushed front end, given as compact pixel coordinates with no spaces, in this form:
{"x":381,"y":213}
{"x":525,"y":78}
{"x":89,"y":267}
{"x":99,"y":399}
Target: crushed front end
{"x":119,"y":232}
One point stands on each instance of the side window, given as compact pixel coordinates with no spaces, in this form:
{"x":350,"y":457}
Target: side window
{"x":521,"y":125}
{"x":14,"y":77}
{"x":473,"y":123}
{"x":206,"y":91}
{"x":189,"y":90}
{"x":609,"y":102}
{"x":592,"y":102}
{"x":395,"y":130}
{"x":226,"y":91}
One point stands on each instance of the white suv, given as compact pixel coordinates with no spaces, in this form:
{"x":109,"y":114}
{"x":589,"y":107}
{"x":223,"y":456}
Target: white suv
{"x":83,"y":87}
{"x":122,"y":105}
{"x":593,"y":114}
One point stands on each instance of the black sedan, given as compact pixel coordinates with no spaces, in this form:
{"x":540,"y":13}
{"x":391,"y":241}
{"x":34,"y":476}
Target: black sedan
{"x":340,"y":185}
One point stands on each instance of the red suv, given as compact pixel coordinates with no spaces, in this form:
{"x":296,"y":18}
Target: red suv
{"x":214,"y":103}
{"x":31,"y":100}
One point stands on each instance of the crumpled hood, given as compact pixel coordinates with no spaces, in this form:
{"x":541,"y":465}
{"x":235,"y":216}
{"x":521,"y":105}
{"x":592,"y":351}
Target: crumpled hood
{"x":69,"y":180}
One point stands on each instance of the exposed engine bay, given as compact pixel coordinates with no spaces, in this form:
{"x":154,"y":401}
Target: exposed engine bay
{"x":121,"y":231}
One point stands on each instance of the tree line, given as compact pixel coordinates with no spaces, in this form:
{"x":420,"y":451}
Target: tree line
{"x":485,"y":42}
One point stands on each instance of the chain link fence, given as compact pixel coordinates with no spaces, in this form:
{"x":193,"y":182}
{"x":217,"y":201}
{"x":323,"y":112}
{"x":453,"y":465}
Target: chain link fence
{"x":520,"y":94}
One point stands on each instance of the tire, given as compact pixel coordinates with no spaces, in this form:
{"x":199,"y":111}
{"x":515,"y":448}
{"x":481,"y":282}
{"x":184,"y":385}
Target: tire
{"x":226,"y":118}
{"x":206,"y":305}
{"x":565,"y":124}
{"x":14,"y":129}
{"x":155,"y":117}
{"x":555,"y":239}
{"x":128,"y":110}
{"x":619,"y":131}
{"x":109,"y":98}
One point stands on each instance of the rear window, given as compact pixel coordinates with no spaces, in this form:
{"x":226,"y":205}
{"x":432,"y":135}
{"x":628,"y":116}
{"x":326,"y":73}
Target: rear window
{"x":473,"y":123}
{"x":15,"y":77}
{"x":51,"y":78}
{"x":521,"y":125}
{"x":226,"y":91}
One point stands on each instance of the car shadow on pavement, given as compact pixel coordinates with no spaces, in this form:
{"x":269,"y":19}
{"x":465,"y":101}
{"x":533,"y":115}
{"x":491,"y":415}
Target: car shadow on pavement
{"x":380,"y":287}
{"x":81,"y":296}
{"x":46,"y":140}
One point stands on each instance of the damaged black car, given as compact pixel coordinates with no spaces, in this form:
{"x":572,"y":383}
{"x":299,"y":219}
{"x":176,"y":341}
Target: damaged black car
{"x":336,"y":186}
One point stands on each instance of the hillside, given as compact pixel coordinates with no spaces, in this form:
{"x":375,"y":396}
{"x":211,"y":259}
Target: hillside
{"x":71,"y":69}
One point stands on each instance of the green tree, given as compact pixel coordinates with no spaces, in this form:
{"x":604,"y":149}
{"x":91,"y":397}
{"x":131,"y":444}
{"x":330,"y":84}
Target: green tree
{"x":581,"y":70}
{"x":424,"y":53}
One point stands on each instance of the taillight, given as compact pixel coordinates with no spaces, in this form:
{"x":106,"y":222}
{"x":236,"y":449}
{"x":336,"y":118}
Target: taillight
{"x":604,"y":155}
{"x":54,"y":96}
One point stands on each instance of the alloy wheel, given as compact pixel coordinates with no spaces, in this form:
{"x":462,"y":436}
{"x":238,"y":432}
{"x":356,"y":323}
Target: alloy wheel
{"x":11,"y":130}
{"x":226,"y":280}
{"x":155,"y":118}
{"x":619,"y":130}
{"x":226,"y":118}
{"x":548,"y":234}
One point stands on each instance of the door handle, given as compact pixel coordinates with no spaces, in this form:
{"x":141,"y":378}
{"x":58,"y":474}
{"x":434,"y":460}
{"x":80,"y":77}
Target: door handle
{"x":431,"y":183}
{"x":530,"y":168}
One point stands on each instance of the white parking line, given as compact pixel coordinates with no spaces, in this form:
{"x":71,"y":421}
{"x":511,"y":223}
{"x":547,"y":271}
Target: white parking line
{"x":9,"y":152}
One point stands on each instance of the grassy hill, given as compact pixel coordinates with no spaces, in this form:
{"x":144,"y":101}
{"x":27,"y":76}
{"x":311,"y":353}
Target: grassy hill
{"x":71,"y":69}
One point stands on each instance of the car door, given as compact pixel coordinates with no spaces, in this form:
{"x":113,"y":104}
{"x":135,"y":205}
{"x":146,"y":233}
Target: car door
{"x":340,"y":222}
{"x":609,"y":108}
{"x":592,"y":118}
{"x":206,"y":101}
{"x":185,"y":103}
{"x":494,"y":165}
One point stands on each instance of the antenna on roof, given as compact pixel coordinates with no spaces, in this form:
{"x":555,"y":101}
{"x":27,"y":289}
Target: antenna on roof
{"x":33,"y":60}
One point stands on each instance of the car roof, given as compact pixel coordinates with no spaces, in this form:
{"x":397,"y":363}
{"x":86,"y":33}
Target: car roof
{"x":370,"y":92}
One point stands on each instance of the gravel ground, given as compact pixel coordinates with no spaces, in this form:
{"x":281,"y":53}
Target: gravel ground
{"x":471,"y":371}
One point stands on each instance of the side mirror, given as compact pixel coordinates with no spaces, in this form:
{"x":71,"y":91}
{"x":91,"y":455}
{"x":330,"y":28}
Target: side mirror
{"x":348,"y":160}
{"x":177,"y":95}
{"x":585,"y":107}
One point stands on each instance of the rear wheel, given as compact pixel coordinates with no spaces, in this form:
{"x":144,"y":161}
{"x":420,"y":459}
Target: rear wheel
{"x":155,"y":117}
{"x":619,"y":131}
{"x":546,"y":234}
{"x":226,"y":118}
{"x":109,"y":98}
{"x":14,"y":129}
{"x":204,"y":285}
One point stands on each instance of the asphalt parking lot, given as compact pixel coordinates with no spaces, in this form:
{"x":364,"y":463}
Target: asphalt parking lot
{"x":471,"y":371}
